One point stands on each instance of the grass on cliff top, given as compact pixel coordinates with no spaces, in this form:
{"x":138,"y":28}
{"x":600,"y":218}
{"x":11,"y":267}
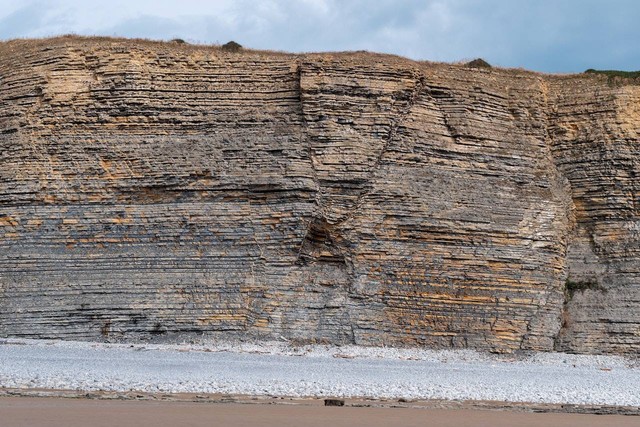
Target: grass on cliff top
{"x":616,"y":77}
{"x":615,"y":73}
{"x":19,"y":45}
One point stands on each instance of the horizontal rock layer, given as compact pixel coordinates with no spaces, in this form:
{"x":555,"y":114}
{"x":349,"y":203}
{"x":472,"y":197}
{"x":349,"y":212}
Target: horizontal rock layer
{"x":156,"y":191}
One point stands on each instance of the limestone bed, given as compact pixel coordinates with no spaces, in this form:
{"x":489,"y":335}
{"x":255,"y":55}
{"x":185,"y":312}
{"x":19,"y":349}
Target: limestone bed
{"x":155,"y":190}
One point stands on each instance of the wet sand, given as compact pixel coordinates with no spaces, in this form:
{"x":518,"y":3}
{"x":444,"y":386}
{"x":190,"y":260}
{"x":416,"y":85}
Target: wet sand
{"x":65,"y":412}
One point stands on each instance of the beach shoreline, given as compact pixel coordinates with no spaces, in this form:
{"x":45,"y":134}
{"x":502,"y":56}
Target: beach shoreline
{"x":237,"y":399}
{"x":59,"y":412}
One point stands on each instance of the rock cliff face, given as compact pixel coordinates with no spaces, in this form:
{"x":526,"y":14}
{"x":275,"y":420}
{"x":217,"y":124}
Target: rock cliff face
{"x":153,"y":190}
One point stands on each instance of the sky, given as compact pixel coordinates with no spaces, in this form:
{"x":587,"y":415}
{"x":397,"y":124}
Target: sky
{"x":557,"y":36}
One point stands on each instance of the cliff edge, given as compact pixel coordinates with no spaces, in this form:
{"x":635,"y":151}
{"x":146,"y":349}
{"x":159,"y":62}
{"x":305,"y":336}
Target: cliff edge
{"x":155,"y":190}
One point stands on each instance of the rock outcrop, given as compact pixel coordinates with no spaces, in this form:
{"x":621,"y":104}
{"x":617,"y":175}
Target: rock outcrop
{"x":162,"y":190}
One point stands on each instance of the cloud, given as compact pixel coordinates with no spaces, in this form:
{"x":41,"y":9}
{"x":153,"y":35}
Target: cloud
{"x":147,"y":26}
{"x":22,"y":22}
{"x":546,"y":35}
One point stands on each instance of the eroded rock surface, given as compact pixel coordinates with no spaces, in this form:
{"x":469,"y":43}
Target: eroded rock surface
{"x":162,"y":190}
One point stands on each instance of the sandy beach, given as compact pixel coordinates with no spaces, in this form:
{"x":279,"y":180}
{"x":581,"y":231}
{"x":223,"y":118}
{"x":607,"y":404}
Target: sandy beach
{"x":61,"y":412}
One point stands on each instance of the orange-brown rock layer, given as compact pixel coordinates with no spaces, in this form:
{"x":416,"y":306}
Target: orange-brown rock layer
{"x":161,"y":190}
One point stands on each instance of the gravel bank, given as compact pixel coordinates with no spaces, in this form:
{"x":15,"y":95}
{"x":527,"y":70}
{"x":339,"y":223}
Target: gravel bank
{"x":280,"y":370}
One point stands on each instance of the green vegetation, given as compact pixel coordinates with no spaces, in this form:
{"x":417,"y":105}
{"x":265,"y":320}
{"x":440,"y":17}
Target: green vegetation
{"x":478,"y":63}
{"x":231,"y":46}
{"x":179,"y":41}
{"x":571,"y":287}
{"x":617,"y":78}
{"x":615,"y":73}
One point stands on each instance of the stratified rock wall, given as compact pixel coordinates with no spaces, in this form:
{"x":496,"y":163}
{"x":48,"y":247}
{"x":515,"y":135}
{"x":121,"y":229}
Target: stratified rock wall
{"x":596,"y":145}
{"x":153,"y":190}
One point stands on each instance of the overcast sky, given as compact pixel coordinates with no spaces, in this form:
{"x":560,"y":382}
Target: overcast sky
{"x":543,"y":35}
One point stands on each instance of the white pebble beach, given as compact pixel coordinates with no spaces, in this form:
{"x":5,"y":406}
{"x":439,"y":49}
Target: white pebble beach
{"x":277,"y":369}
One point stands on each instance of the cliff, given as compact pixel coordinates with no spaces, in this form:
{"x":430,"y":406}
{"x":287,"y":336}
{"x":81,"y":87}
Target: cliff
{"x":155,"y":190}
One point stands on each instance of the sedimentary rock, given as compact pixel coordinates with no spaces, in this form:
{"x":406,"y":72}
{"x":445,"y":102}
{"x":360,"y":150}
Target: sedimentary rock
{"x":152,"y":190}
